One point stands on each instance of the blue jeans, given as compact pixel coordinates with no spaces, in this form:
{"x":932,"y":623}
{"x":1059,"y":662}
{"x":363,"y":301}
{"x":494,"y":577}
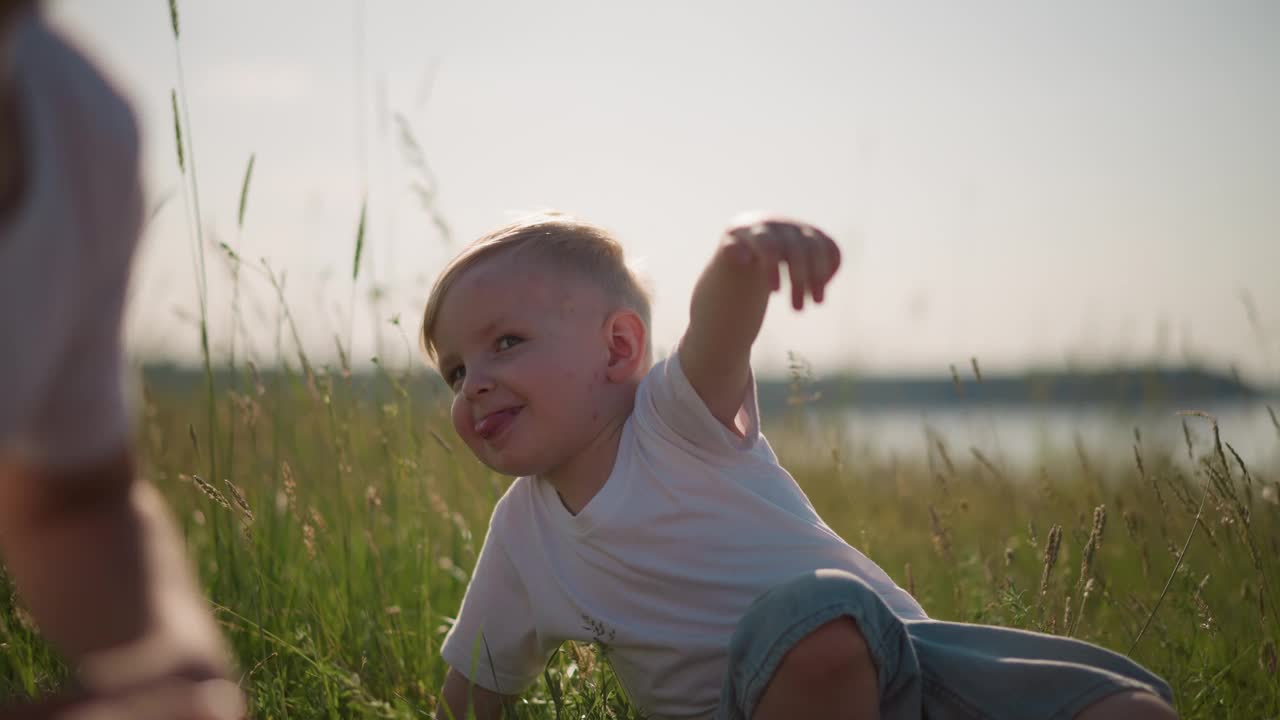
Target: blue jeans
{"x":926,"y":668}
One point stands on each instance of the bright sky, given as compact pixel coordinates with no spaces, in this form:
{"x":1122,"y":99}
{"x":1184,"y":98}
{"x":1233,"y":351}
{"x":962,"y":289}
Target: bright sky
{"x":1030,"y":183}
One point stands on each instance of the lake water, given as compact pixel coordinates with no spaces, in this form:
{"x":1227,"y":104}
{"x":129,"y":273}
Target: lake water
{"x":1021,"y":436}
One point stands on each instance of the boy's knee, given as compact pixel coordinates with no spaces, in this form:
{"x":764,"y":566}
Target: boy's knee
{"x":1134,"y":705}
{"x":836,"y":651}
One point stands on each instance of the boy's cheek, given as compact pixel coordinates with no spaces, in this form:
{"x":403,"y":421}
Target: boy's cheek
{"x":459,"y":417}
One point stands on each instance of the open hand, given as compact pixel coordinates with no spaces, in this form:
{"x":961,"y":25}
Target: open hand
{"x":767,"y":241}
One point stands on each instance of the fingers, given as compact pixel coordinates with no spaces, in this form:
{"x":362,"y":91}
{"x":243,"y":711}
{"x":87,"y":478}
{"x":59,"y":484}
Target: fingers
{"x":811,"y":256}
{"x":824,"y":260}
{"x":761,"y":244}
{"x":799,"y":265}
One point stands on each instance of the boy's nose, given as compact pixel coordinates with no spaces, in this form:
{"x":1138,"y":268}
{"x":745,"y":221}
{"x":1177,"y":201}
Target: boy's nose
{"x":476,"y":384}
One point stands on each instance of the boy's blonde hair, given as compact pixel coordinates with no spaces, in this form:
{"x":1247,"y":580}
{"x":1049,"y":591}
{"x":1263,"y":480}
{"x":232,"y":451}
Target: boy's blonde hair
{"x":563,"y":242}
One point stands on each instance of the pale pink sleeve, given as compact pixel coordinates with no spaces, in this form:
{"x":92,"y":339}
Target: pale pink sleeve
{"x":494,"y":642}
{"x":67,"y":250}
{"x":667,"y":400}
{"x":84,"y":416}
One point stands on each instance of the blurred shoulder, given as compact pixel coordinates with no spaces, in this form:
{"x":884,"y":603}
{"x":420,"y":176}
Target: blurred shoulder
{"x":58,"y":76}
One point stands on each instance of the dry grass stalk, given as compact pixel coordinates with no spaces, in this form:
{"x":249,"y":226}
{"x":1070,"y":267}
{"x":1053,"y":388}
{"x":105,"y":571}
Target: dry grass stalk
{"x":1217,"y":440}
{"x":584,"y":656}
{"x":210,"y":491}
{"x":1133,"y":525}
{"x":241,"y":502}
{"x":1086,"y":465}
{"x":290,"y":488}
{"x":440,"y":441}
{"x":1084,"y":599}
{"x":1205,"y":618}
{"x":942,"y":453}
{"x":316,"y":518}
{"x":1092,"y":545}
{"x":247,"y":409}
{"x":990,"y":466}
{"x":309,"y":540}
{"x":1180,"y":554}
{"x":1244,"y":469}
{"x":1142,"y":469}
{"x":1053,"y":544}
{"x":941,"y":542}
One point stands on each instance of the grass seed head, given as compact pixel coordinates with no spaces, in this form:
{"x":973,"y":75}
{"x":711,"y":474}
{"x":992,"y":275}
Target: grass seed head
{"x":210,"y":491}
{"x":290,"y":487}
{"x":238,"y":496}
{"x":1053,"y":544}
{"x":309,"y":540}
{"x":941,"y":542}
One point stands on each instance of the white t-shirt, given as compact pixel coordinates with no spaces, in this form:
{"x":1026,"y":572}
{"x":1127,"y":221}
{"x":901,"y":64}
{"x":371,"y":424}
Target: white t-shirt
{"x":692,"y":525}
{"x":65,"y":252}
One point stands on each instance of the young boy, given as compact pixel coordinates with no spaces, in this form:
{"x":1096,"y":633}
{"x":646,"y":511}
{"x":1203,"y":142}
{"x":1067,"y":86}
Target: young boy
{"x":91,"y":549}
{"x":651,"y":516}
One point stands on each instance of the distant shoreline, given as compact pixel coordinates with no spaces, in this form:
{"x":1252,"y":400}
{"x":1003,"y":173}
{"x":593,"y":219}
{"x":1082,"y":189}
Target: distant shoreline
{"x":1138,"y":387}
{"x":1126,"y":387}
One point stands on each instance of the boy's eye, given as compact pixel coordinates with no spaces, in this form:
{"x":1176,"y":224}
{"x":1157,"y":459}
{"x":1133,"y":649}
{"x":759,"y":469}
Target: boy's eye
{"x":506,"y":342}
{"x":455,"y":375}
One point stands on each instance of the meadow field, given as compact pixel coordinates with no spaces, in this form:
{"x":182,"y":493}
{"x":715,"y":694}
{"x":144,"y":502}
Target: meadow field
{"x":334,"y":525}
{"x":334,"y":520}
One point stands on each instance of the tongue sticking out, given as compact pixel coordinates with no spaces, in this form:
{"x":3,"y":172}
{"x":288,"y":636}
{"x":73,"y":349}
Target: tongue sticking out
{"x":494,"y":423}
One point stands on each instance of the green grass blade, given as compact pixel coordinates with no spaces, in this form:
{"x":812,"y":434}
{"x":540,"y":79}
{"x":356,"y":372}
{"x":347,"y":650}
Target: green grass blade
{"x":244,"y":192}
{"x":177,"y":131}
{"x":173,"y":16}
{"x":355,"y":264}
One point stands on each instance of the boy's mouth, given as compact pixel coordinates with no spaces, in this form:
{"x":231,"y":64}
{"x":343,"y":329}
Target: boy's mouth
{"x":494,"y":423}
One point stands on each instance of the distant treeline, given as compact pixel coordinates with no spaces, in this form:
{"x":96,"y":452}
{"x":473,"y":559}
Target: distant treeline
{"x":1121,"y":387}
{"x":1132,"y":387}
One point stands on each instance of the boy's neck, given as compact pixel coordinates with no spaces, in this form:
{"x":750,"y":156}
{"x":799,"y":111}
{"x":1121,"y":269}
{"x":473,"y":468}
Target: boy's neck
{"x":578,"y":480}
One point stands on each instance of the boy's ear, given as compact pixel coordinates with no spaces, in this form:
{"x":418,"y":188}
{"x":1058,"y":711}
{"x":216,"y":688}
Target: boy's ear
{"x":625,"y":336}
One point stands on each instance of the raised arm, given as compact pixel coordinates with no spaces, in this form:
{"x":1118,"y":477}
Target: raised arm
{"x":101,"y":566}
{"x":730,"y":298}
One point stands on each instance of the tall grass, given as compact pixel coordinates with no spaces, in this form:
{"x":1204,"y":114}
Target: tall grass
{"x":339,"y":550}
{"x":334,"y":525}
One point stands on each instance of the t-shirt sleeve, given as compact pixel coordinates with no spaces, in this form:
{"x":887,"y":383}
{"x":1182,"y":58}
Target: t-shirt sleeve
{"x":667,"y":398}
{"x":84,"y":415}
{"x":494,"y":642}
{"x":67,"y":250}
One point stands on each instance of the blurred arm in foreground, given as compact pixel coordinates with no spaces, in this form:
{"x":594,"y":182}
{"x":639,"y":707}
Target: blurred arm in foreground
{"x":90,"y":548}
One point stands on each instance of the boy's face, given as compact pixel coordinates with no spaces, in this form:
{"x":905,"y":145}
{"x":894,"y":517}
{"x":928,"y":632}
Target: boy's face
{"x":524,"y":350}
